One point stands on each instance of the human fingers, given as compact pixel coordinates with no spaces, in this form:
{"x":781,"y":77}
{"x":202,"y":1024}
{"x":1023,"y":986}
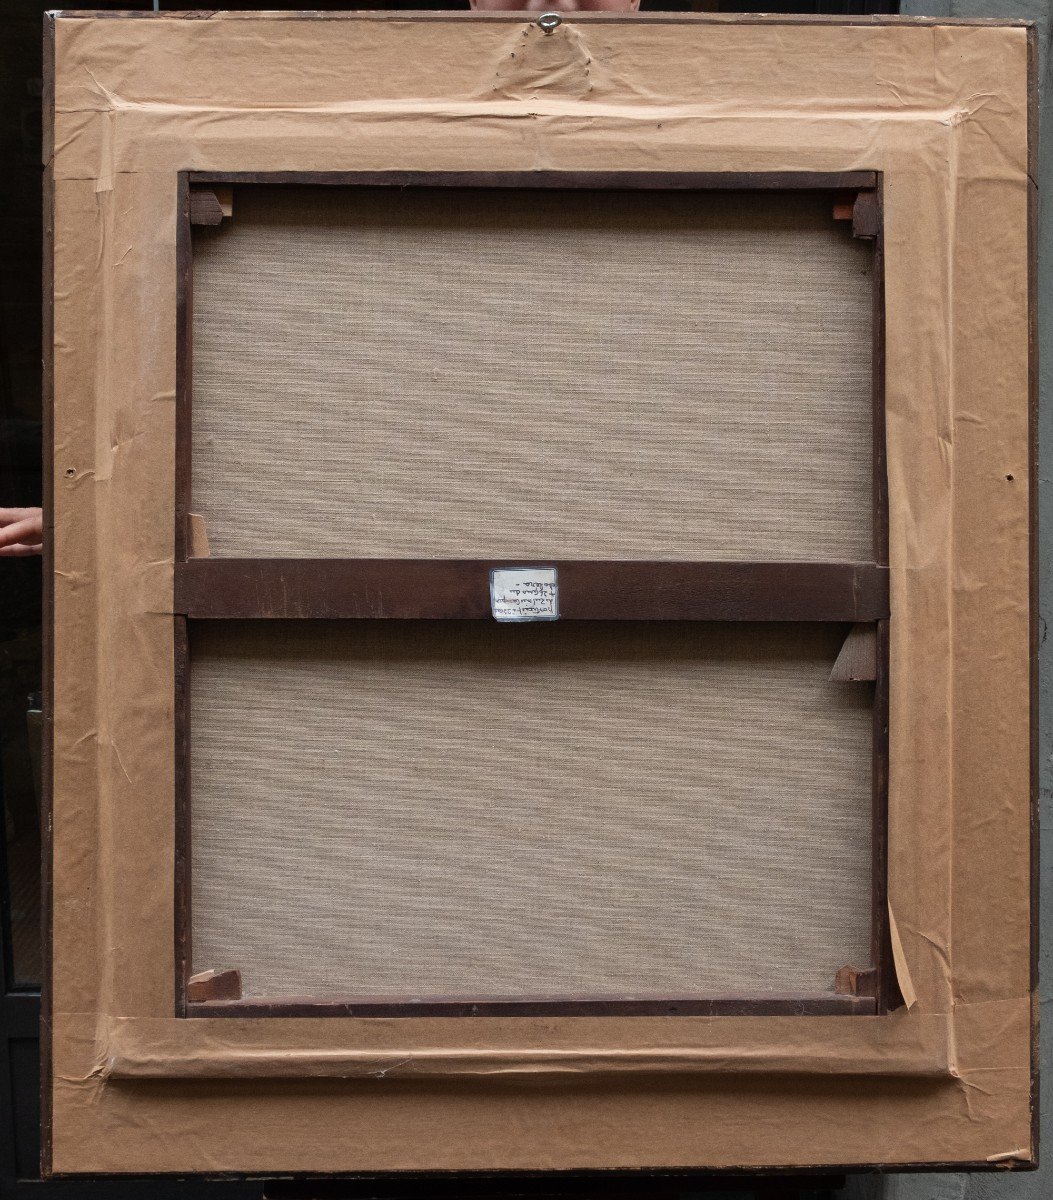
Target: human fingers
{"x":7,"y":515}
{"x":26,"y":531}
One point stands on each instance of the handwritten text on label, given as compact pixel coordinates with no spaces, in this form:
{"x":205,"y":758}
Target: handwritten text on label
{"x":524,"y":594}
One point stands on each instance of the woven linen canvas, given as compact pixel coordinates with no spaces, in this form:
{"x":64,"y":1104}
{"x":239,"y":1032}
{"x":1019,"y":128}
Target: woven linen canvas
{"x":461,"y":809}
{"x":529,"y":373}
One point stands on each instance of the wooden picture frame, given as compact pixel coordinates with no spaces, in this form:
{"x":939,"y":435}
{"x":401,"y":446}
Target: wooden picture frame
{"x":953,"y":933}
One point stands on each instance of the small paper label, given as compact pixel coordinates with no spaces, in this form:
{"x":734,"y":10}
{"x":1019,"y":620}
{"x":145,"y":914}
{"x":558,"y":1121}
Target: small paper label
{"x":524,"y":594}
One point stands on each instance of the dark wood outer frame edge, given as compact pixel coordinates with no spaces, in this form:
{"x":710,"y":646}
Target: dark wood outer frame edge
{"x":215,"y":601}
{"x":823,"y":1173}
{"x":606,"y":18}
{"x":821,"y":1004}
{"x":47,"y":590}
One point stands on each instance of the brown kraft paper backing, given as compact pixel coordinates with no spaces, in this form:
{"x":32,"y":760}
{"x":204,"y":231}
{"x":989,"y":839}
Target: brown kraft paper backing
{"x":943,"y":110}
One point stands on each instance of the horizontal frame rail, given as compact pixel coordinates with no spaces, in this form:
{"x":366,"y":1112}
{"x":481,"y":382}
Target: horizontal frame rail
{"x":459,"y":589}
{"x":744,"y":181}
{"x":820,"y":1004}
